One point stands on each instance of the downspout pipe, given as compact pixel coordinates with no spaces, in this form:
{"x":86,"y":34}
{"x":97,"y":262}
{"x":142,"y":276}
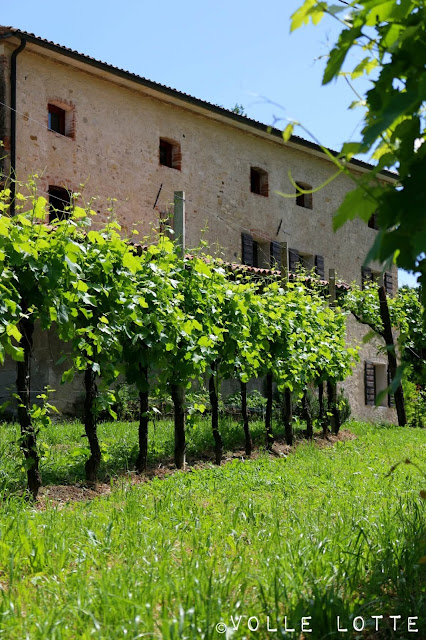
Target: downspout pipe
{"x":13,"y":85}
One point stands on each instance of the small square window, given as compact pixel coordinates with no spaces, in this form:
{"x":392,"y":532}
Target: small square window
{"x":59,"y":203}
{"x":259,"y":181}
{"x":60,"y":120}
{"x":303,"y":199}
{"x":170,"y":154}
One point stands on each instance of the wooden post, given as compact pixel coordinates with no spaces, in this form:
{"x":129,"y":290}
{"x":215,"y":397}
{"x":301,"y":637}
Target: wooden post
{"x":284,"y":261}
{"x":331,"y":386}
{"x":177,"y":390}
{"x":179,"y":220}
{"x":332,"y":287}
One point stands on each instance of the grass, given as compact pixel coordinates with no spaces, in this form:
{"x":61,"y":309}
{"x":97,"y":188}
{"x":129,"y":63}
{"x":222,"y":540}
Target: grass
{"x":322,"y":533}
{"x":64,"y":449}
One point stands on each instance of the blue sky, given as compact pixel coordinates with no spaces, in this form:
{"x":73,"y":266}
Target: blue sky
{"x":226,"y":52}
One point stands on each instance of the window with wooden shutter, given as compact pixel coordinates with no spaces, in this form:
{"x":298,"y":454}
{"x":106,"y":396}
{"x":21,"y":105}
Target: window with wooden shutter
{"x":388,"y":282}
{"x":275,"y":251}
{"x":391,"y":398}
{"x":366,"y":275}
{"x":293,"y":260}
{"x":370,"y":383}
{"x":256,"y":253}
{"x":319,"y":266}
{"x":247,"y":249}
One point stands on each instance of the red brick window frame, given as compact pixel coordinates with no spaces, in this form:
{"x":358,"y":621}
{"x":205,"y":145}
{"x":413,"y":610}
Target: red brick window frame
{"x":259,"y":181}
{"x":60,"y":118}
{"x":303,"y":199}
{"x":170,"y":154}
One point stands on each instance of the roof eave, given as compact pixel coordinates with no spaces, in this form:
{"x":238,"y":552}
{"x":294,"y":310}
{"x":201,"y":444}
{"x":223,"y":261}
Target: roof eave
{"x":202,"y":106}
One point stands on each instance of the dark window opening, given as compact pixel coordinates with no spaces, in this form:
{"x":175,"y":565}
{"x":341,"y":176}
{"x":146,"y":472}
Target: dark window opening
{"x":170,"y":154}
{"x":368,"y":275}
{"x":303,"y":199}
{"x":166,"y":153}
{"x":61,"y":120}
{"x":372,"y":223}
{"x":59,"y":203}
{"x":259,"y":181}
{"x":260,"y":253}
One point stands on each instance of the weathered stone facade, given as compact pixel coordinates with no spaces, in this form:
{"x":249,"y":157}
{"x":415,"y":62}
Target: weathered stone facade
{"x":112,"y":146}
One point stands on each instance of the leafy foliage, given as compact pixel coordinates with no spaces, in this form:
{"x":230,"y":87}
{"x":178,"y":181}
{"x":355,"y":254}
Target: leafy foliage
{"x":391,"y":36}
{"x":160,"y":317}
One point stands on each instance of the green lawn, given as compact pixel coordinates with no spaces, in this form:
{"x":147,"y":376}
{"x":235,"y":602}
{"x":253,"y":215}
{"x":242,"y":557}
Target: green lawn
{"x":64,"y":450}
{"x":321,"y":533}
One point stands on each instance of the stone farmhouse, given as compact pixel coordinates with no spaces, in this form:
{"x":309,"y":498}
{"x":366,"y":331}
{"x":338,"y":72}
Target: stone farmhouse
{"x":74,"y":120}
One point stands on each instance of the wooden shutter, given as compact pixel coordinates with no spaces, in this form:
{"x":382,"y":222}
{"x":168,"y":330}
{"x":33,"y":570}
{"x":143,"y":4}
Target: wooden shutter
{"x":370,"y":383}
{"x":275,"y":250}
{"x":247,"y":249}
{"x":293,"y":259}
{"x":366,"y":275}
{"x":391,"y":398}
{"x":388,"y":282}
{"x":319,"y":266}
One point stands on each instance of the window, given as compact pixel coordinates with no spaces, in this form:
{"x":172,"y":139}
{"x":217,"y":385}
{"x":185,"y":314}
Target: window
{"x":170,"y":154}
{"x":260,"y":253}
{"x":259,"y":181}
{"x":306,"y":261}
{"x":377,"y":380}
{"x":61,"y":120}
{"x":368,"y":275}
{"x":59,"y":203}
{"x":303,"y":199}
{"x":275,"y":252}
{"x":372,"y":223}
{"x":388,"y":283}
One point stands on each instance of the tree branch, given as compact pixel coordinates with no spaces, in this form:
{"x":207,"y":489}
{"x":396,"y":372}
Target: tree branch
{"x":364,"y":321}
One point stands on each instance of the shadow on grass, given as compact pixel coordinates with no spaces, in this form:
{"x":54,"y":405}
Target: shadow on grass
{"x":64,"y":451}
